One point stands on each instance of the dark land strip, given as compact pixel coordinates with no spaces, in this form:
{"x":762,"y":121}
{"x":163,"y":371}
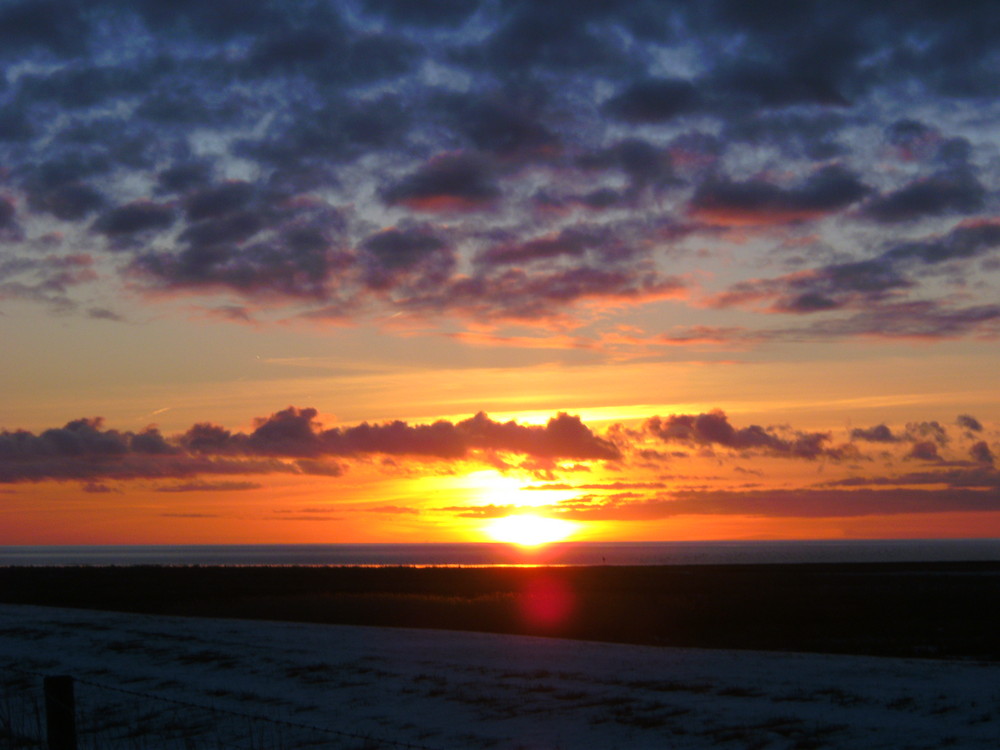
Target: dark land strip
{"x":937,"y":610}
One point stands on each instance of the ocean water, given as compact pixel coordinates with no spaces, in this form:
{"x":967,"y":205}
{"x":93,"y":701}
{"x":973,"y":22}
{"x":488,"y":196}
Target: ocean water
{"x":564,"y":553}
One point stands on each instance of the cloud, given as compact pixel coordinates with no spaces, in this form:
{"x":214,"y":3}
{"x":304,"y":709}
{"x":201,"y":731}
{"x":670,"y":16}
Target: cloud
{"x":969,"y":422}
{"x":966,"y":241}
{"x":134,"y":218}
{"x":782,"y":503}
{"x":654,"y":100}
{"x":925,"y":450}
{"x":410,"y":256}
{"x":877,"y":434}
{"x":509,"y":126}
{"x":515,"y":294}
{"x":289,"y":441}
{"x":981,"y":453}
{"x":956,"y":191}
{"x":724,"y":201}
{"x":575,"y":243}
{"x":102,"y":313}
{"x":920,"y":321}
{"x":931,"y":430}
{"x":209,"y":487}
{"x":877,"y":286}
{"x":449,"y":182}
{"x":713,"y":429}
{"x":288,"y":156}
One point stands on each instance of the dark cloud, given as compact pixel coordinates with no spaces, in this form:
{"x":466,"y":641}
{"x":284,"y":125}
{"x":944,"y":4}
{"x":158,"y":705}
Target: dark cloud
{"x":759,"y":202}
{"x":575,"y":242}
{"x":508,"y":123}
{"x":564,"y":436}
{"x":871,"y":283}
{"x":713,"y":428}
{"x":921,"y":320}
{"x":218,"y":200}
{"x":329,"y":53}
{"x":134,"y":218}
{"x":69,"y":201}
{"x":314,"y":139}
{"x":206,"y":438}
{"x":962,"y":242}
{"x":540,"y":36}
{"x":82,"y":86}
{"x":235,"y":148}
{"x":931,"y":430}
{"x":925,"y":450}
{"x":811,"y":134}
{"x":185,"y":176}
{"x":515,"y":294}
{"x":437,"y":13}
{"x":912,"y":138}
{"x":450,"y":182}
{"x":642,"y":162}
{"x":775,"y":85}
{"x":969,"y":422}
{"x":841,"y":285}
{"x":877,"y":434}
{"x":58,"y":27}
{"x":15,"y":125}
{"x":956,"y":191}
{"x":412,"y":255}
{"x":288,"y":441}
{"x":981,"y":453}
{"x":296,"y":258}
{"x":8,"y":214}
{"x":654,"y":100}
{"x":102,"y":313}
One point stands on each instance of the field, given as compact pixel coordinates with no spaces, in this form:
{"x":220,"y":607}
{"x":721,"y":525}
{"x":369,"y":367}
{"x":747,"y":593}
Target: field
{"x":155,"y":682}
{"x":944,"y":610}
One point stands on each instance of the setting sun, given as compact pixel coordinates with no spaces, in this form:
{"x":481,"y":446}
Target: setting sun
{"x":529,"y":530}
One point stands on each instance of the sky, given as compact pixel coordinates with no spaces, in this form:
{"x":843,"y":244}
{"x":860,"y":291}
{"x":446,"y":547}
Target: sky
{"x":388,"y":271}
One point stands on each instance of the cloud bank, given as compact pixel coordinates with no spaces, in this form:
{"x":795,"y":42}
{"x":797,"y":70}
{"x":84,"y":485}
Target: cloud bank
{"x":496,"y":164}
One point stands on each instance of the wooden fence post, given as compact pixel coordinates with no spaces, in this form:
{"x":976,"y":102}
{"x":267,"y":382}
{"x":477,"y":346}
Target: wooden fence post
{"x":60,"y":712}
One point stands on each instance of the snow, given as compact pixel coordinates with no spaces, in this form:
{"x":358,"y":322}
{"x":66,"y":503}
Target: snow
{"x":450,"y":691}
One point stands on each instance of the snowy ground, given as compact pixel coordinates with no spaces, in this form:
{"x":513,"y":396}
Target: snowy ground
{"x":450,"y":691}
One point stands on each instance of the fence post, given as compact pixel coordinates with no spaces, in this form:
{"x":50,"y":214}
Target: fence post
{"x":60,"y":712}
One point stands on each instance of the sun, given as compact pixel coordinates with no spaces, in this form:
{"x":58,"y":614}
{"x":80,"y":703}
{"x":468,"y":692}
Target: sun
{"x":528,"y":530}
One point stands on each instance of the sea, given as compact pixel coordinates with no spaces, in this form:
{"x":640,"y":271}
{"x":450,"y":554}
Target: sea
{"x":499,"y":554}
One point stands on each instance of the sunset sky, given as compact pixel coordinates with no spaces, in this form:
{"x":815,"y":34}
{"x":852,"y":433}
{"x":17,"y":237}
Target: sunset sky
{"x":389,"y":271}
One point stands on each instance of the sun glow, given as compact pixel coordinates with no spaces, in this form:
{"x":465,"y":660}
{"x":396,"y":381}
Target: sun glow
{"x":529,"y":530}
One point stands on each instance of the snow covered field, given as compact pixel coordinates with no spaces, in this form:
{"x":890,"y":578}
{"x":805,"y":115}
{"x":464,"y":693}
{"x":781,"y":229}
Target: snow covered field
{"x":451,"y":691}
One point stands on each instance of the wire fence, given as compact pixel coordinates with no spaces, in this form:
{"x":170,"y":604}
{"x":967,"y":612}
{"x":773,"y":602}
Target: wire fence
{"x":107,"y":717}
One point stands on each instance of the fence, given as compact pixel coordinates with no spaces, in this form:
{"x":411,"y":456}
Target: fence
{"x":50,"y":712}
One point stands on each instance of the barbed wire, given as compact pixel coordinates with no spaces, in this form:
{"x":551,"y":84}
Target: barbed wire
{"x":405,"y":745}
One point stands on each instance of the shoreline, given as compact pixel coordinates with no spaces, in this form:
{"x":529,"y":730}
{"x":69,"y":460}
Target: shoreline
{"x":734,"y":552}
